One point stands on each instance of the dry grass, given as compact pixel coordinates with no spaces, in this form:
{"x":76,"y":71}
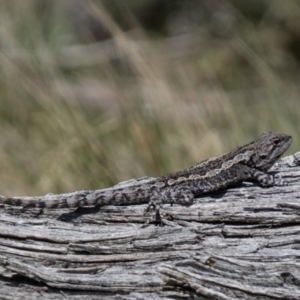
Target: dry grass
{"x":160,"y":105}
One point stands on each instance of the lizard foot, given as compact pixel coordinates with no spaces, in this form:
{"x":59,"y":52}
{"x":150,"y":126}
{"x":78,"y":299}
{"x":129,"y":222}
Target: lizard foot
{"x":158,"y":214}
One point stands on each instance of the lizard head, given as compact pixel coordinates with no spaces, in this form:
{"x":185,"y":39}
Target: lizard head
{"x":268,"y":148}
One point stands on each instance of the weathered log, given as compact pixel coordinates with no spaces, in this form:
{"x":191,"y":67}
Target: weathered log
{"x":238,"y":243}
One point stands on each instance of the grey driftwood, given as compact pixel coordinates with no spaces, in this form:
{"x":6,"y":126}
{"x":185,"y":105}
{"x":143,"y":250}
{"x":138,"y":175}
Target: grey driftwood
{"x":239,"y":243}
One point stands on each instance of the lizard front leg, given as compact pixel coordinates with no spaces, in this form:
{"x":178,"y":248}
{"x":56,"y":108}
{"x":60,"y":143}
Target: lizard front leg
{"x":266,"y":179}
{"x":172,"y":195}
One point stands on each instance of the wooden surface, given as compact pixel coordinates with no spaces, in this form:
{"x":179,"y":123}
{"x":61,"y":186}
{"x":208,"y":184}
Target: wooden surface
{"x":238,"y":243}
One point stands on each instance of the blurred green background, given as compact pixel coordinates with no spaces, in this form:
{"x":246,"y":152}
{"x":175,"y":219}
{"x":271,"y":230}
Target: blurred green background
{"x":96,"y":92}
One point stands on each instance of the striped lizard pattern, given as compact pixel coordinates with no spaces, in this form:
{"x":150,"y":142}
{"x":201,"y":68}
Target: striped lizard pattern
{"x":249,"y":162}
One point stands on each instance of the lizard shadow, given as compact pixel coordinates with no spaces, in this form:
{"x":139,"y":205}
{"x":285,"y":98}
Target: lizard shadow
{"x":222,"y":192}
{"x":217,"y":194}
{"x":77,"y":213}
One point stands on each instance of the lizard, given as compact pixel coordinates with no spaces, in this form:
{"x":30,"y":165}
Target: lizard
{"x":249,"y":162}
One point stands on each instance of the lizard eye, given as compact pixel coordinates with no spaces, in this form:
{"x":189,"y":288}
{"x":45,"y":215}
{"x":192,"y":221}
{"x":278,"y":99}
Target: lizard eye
{"x":276,"y":142}
{"x":263,"y":156}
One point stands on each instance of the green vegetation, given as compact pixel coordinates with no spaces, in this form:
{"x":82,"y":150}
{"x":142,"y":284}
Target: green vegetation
{"x":142,"y":102}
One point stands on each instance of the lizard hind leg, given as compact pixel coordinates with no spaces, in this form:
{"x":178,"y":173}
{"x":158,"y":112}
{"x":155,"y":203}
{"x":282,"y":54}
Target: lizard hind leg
{"x":180,"y":196}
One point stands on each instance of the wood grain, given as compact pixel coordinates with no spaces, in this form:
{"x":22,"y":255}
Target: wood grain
{"x":238,"y":243}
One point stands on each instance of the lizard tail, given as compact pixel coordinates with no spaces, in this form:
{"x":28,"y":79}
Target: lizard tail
{"x":44,"y":202}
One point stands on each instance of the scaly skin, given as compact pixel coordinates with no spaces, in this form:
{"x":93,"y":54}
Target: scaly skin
{"x":249,"y":162}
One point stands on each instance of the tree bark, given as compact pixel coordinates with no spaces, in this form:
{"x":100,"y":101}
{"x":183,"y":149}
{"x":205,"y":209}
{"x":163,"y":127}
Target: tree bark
{"x":238,"y":243}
